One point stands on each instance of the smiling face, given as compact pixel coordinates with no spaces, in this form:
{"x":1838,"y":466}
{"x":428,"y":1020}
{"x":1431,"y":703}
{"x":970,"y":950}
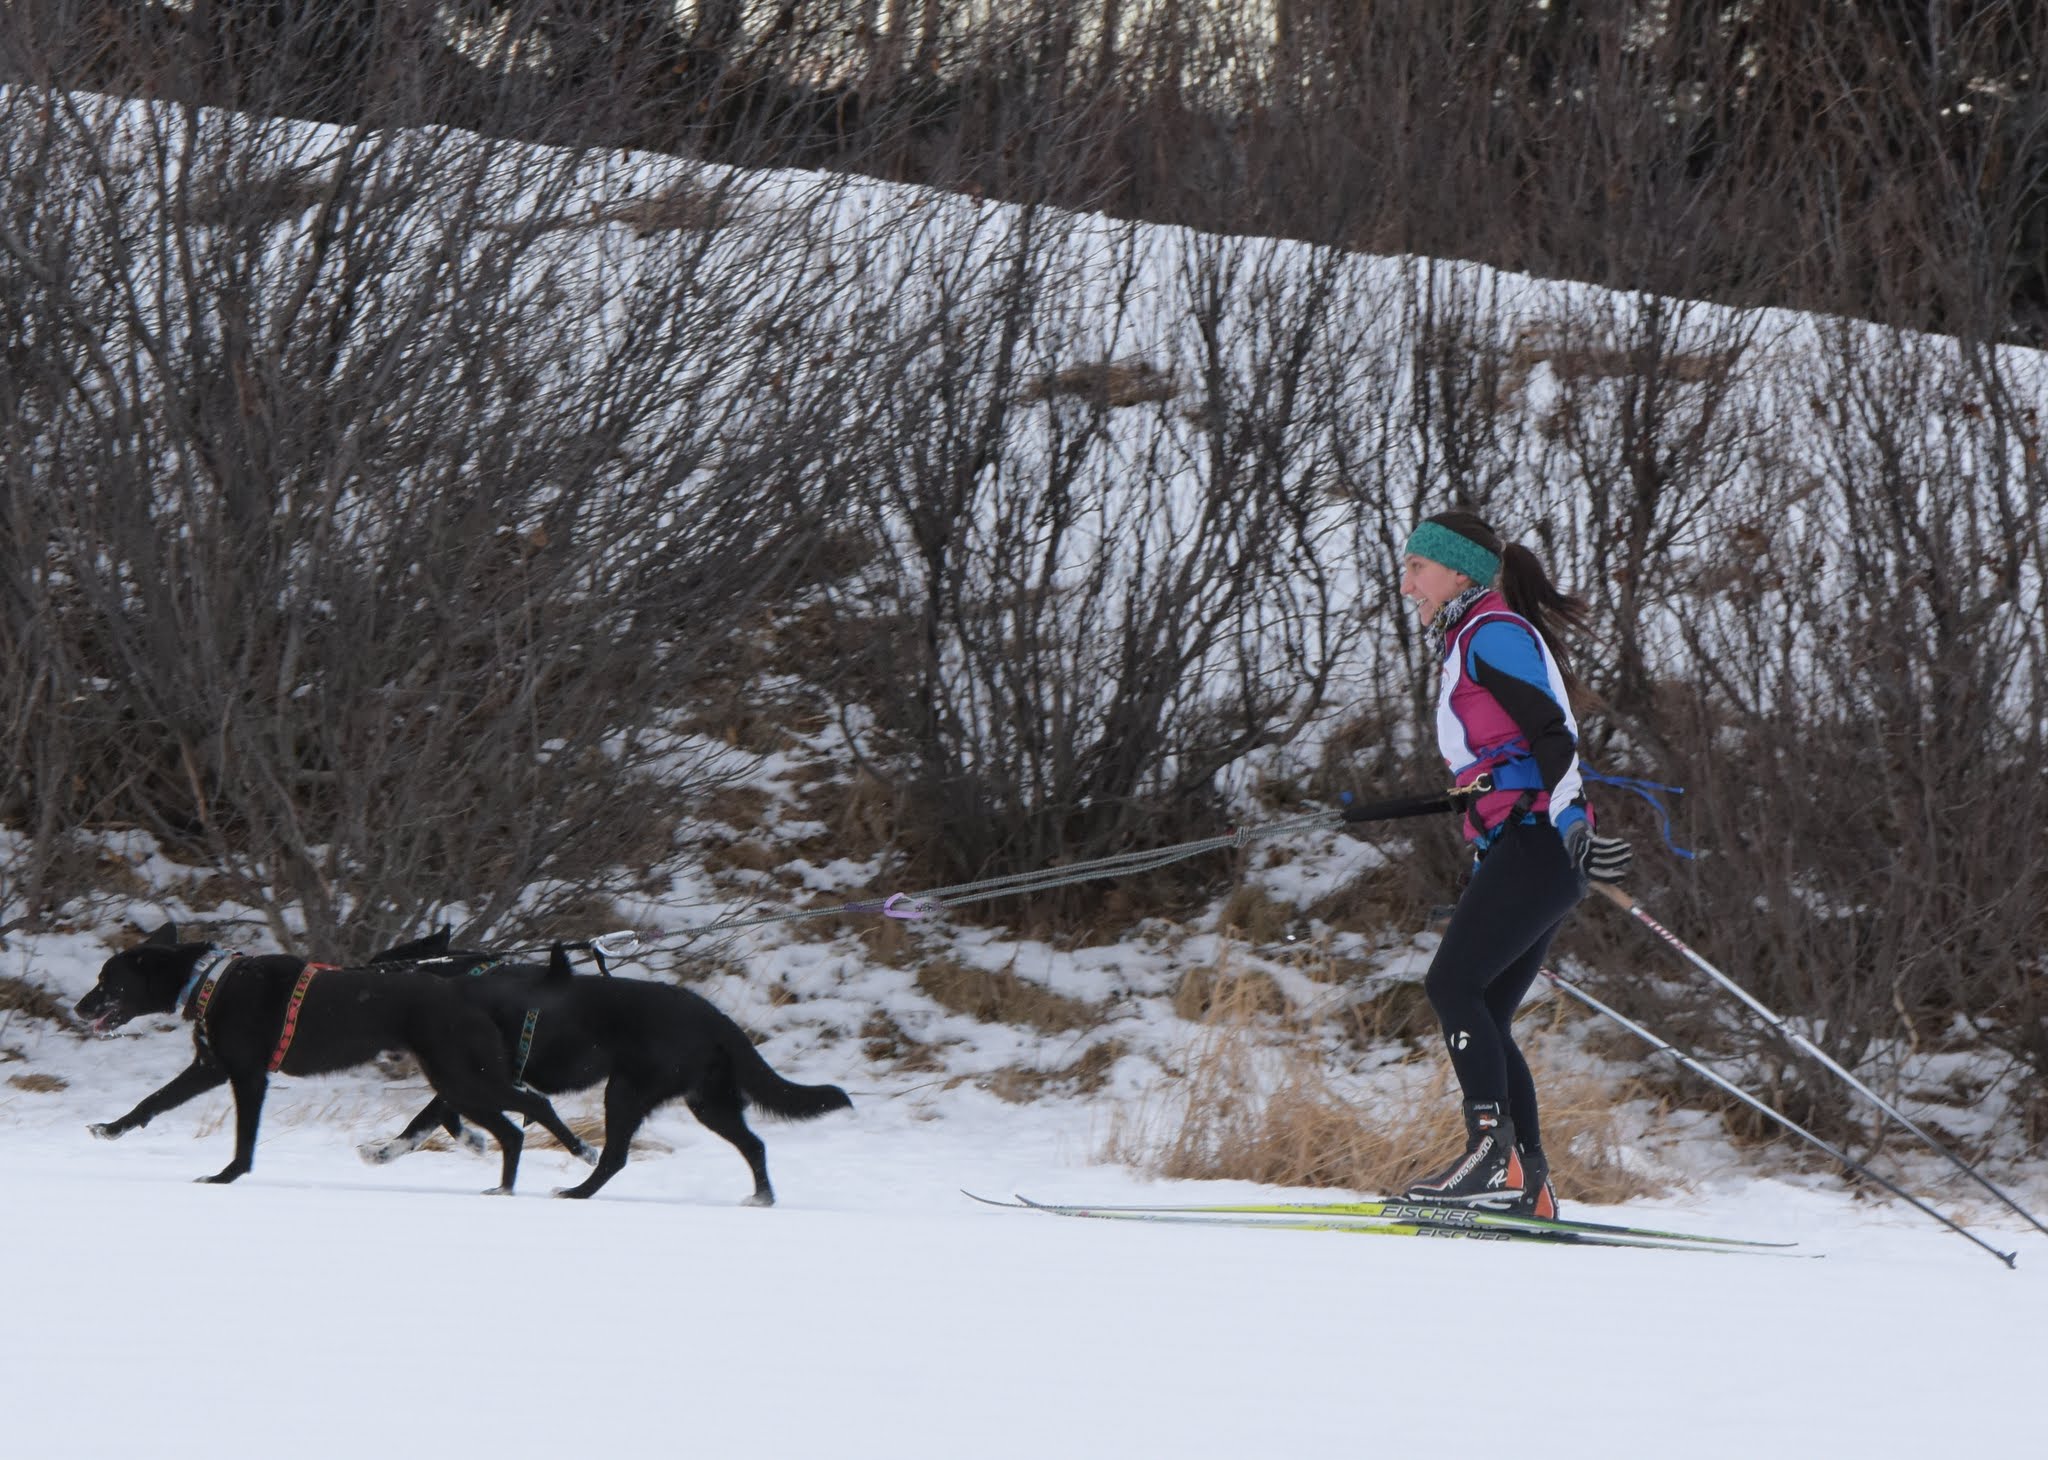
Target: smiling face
{"x":1429,"y":585}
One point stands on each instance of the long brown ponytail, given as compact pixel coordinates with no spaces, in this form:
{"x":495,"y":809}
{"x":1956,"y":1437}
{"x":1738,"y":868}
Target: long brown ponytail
{"x":1528,"y":590}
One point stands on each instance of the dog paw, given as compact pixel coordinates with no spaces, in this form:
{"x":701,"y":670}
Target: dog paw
{"x":376,"y":1153}
{"x":760,"y":1199}
{"x":498,"y":1191}
{"x":571,"y":1193}
{"x":476,"y":1140}
{"x":587,"y":1155}
{"x":105,"y":1131}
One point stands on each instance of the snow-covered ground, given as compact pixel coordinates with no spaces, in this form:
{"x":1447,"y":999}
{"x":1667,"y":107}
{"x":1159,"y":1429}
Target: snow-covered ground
{"x":321,"y":1307}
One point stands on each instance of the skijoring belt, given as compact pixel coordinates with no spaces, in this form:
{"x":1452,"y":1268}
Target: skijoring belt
{"x":1518,"y":774}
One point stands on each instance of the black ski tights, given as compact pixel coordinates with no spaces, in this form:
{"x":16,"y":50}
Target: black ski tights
{"x":1518,"y":898}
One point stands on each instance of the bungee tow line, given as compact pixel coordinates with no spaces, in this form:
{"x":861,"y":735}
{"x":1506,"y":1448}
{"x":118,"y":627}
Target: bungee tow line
{"x":913,"y":907}
{"x":917,"y":906}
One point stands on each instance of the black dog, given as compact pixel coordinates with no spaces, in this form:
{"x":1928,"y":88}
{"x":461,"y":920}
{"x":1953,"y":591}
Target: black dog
{"x":255,"y":1016}
{"x":652,"y":1042}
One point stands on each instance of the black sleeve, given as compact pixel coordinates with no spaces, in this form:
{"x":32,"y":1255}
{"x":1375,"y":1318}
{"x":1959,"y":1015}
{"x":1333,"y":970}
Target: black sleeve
{"x":1539,"y":717}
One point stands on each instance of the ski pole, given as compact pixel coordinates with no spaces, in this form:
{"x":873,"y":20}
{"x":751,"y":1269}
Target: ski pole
{"x":1666,"y":1047}
{"x":1399,"y":808}
{"x":1792,"y":1036}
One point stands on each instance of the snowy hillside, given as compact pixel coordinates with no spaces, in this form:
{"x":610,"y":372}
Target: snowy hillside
{"x":321,"y":1307}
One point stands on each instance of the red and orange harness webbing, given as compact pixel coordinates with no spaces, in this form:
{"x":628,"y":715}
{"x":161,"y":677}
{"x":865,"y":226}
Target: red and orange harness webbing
{"x":196,"y":1010}
{"x":291,"y":1014}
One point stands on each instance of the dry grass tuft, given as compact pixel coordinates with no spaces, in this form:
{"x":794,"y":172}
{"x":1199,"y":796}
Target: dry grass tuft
{"x":1202,"y":991}
{"x":884,"y":1042}
{"x":683,"y":207}
{"x":1004,"y":998}
{"x":743,"y":808}
{"x":584,"y":915}
{"x":862,"y":814}
{"x":1084,"y":1075}
{"x":1255,"y":916}
{"x":745,"y":856}
{"x":19,"y":996}
{"x":39,"y":1084}
{"x":1376,"y":899}
{"x":1253,"y":1105}
{"x":240,"y":202}
{"x":1399,"y":1011}
{"x":1544,"y":343}
{"x":1114,"y":383}
{"x":887,"y":940}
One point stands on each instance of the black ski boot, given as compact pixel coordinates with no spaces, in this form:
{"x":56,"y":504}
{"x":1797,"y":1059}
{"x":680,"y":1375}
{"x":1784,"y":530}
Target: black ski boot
{"x":1489,"y":1174}
{"x":1537,"y":1198}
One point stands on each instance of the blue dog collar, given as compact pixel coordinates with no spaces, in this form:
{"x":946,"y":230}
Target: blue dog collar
{"x":212,"y":959}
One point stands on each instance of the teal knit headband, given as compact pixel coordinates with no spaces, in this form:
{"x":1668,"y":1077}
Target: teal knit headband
{"x":1439,"y":544}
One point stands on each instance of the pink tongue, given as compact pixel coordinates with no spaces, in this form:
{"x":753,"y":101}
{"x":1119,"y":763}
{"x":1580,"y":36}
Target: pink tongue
{"x":99,"y":1025}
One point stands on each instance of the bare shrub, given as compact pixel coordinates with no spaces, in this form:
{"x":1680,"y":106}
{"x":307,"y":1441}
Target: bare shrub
{"x":376,"y":600}
{"x":1081,"y":651}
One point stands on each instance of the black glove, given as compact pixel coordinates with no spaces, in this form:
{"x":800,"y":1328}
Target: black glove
{"x":1578,"y":845}
{"x":1608,"y":860}
{"x":1597,"y":858}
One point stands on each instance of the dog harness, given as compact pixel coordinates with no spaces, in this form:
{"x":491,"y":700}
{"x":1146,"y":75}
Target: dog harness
{"x":207,"y":975}
{"x":291,"y":1014}
{"x":526,"y":1026}
{"x":525,"y":1047}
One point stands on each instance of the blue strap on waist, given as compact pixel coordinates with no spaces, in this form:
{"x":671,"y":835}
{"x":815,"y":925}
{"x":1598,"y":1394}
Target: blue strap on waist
{"x":1519,"y":774}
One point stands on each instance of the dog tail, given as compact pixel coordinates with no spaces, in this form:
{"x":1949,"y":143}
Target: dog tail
{"x":769,"y":1093}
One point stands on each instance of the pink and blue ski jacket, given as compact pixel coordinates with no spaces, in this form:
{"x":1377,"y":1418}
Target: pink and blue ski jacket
{"x":1502,"y":711}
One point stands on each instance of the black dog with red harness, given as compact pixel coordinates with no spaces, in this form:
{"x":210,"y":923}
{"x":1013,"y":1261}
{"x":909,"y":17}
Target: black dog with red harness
{"x":255,"y":1017}
{"x":648,"y":1042}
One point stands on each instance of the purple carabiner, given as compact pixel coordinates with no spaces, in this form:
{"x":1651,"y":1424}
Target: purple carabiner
{"x":914,"y":908}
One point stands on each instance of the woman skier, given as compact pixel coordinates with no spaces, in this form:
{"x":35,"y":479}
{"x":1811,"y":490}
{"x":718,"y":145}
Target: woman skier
{"x":1504,"y":724}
